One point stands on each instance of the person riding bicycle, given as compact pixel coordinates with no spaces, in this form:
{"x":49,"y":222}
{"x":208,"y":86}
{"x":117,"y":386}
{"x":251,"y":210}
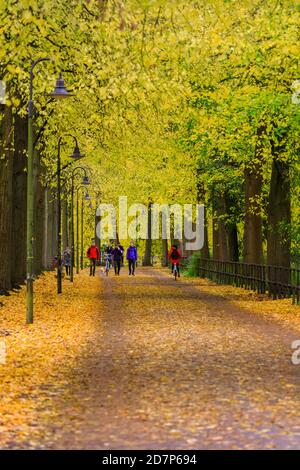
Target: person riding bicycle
{"x":109,"y":254}
{"x":174,"y":257}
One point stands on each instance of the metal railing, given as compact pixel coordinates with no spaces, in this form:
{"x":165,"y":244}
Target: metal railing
{"x":278,"y":281}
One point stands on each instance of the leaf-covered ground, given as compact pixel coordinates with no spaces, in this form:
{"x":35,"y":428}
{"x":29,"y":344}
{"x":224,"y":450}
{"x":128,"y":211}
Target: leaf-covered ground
{"x":142,"y":362}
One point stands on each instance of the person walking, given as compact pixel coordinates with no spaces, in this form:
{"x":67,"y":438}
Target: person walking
{"x":117,"y":257}
{"x":67,"y":260}
{"x":131,"y":256}
{"x":93,"y":255}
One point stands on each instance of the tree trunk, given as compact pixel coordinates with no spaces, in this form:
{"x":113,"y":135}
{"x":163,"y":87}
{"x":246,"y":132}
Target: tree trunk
{"x":279,"y":215}
{"x":97,"y":239}
{"x":164,"y":252}
{"x":147,"y":261}
{"x":46,"y":215}
{"x":220,"y":248}
{"x":39,"y":211}
{"x":52,"y":221}
{"x":233,"y":246}
{"x":201,"y":192}
{"x":6,"y":170}
{"x":19,"y":201}
{"x":253,"y":239}
{"x":65,"y":229}
{"x":205,"y":249}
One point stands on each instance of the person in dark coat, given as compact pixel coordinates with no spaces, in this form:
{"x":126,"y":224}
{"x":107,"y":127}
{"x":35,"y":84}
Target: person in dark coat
{"x":117,"y":257}
{"x":67,"y":260}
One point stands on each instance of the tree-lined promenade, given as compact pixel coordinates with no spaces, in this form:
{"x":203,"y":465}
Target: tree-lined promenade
{"x":159,"y":102}
{"x":173,"y":102}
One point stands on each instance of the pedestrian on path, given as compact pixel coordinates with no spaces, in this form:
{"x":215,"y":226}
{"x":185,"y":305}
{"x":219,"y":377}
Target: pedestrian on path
{"x":118,"y":256}
{"x":131,"y":256}
{"x":109,"y":254}
{"x":93,"y":255}
{"x":67,"y":260}
{"x":174,"y":257}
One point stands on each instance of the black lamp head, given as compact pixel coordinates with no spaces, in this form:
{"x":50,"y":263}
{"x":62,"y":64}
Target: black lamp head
{"x":85,"y":180}
{"x":60,"y":91}
{"x":87,"y":197}
{"x":76,"y":154}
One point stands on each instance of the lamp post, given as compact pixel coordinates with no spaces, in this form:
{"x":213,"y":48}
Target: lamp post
{"x":84,"y":198}
{"x":76,"y":155}
{"x":85,"y":181}
{"x":58,"y":93}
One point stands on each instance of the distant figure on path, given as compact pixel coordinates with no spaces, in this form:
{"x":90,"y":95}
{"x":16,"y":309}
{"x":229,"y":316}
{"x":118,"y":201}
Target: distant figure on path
{"x":118,"y":256}
{"x":131,"y":256}
{"x":93,"y":255}
{"x":67,"y":260}
{"x":174,"y":257}
{"x":109,"y":254}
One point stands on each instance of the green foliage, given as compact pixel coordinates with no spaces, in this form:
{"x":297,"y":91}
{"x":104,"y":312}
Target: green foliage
{"x":191,"y":270}
{"x":162,"y":88}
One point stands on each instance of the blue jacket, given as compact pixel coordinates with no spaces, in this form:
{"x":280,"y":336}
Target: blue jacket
{"x":132,"y":253}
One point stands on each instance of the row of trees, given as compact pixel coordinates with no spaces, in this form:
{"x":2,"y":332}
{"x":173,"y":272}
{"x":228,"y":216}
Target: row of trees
{"x":173,"y":102}
{"x":13,"y":177}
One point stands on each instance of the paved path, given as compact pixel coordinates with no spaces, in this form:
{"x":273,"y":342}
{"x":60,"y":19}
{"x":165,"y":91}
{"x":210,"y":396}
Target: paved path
{"x":175,"y":367}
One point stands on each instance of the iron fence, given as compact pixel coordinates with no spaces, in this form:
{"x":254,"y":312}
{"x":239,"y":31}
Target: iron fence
{"x":277,"y":281}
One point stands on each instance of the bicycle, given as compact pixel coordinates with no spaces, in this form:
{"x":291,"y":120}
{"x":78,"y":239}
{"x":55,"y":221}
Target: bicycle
{"x":107,"y":265}
{"x":175,"y":271}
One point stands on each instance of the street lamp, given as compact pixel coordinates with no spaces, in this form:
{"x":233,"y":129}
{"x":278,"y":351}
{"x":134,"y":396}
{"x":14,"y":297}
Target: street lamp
{"x":59,"y":92}
{"x":85,"y":182}
{"x":84,"y":198}
{"x":76,"y":155}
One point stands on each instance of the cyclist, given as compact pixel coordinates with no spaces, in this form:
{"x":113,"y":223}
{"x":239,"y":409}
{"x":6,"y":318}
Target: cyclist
{"x":174,"y":257}
{"x":93,"y":255}
{"x":109,"y":255}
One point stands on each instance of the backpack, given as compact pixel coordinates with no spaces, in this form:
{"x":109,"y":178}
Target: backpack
{"x":174,"y":254}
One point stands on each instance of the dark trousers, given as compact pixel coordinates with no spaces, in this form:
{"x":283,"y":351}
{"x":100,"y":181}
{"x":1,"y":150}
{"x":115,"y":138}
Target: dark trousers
{"x":68,"y":270}
{"x":92,"y":266}
{"x":117,"y":266}
{"x":131,"y":266}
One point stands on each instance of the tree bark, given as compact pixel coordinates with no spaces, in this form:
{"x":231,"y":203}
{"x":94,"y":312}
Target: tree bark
{"x":201,"y":193}
{"x":233,"y":245}
{"x":6,"y":171}
{"x":51,"y":228}
{"x":164,"y":243}
{"x":65,"y":229}
{"x":39,"y":211}
{"x":147,"y":261}
{"x":19,"y":201}
{"x":253,"y":239}
{"x":97,"y":239}
{"x":279,"y":215}
{"x":220,"y":247}
{"x":205,"y":250}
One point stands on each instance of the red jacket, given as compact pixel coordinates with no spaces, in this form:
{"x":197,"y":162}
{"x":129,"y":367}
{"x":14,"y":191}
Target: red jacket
{"x":93,"y":252}
{"x":174,"y":261}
